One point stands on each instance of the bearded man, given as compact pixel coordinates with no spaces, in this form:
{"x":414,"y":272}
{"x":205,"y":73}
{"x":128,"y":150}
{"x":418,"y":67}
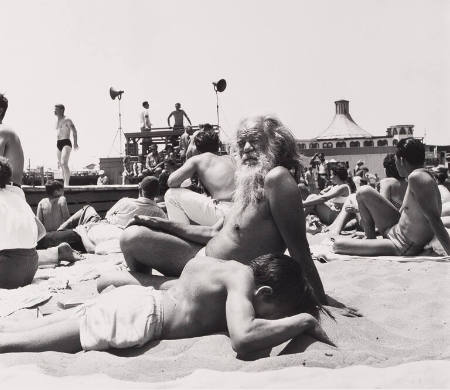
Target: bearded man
{"x":267,"y":216}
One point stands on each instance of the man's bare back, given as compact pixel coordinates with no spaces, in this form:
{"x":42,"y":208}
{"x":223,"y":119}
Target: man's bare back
{"x":11,"y":148}
{"x":186,"y":299}
{"x":216,"y":173}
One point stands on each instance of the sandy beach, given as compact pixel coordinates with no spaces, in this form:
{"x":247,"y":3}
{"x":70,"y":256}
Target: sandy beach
{"x":402,"y":340}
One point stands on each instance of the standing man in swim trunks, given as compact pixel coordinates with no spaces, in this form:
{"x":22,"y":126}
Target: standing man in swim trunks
{"x":408,"y":230}
{"x":10,"y":146}
{"x":64,"y":126}
{"x":179,"y":116}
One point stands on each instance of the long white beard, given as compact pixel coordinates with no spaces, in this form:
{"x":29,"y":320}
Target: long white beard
{"x":250,"y":182}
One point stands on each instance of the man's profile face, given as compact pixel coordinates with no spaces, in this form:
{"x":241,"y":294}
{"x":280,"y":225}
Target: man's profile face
{"x":251,"y":144}
{"x":58,"y":111}
{"x":178,"y":106}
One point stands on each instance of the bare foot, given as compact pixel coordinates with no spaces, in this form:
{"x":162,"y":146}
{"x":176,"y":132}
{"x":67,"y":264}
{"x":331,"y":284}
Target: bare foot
{"x":66,"y":253}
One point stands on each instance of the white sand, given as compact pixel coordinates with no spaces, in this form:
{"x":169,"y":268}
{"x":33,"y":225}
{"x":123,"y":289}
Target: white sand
{"x":403,"y":340}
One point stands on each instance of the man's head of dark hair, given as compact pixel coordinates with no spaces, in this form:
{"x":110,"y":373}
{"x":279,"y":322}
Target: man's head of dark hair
{"x":52,"y":186}
{"x":206,"y":141}
{"x":61,"y":107}
{"x":145,"y":104}
{"x":5,"y":172}
{"x":149,"y":187}
{"x":340,"y":170}
{"x":207,"y":127}
{"x":289,"y":287}
{"x":412,"y":150}
{"x":3,"y":106}
{"x":390,"y":167}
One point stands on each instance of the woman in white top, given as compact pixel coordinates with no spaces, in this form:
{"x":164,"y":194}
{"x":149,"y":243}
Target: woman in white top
{"x":329,"y":202}
{"x":18,"y":233}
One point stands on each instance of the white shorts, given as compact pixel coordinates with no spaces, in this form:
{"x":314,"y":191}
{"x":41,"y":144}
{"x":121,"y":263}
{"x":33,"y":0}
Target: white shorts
{"x":126,"y":316}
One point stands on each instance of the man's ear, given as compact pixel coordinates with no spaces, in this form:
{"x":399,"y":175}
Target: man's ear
{"x":263,"y":291}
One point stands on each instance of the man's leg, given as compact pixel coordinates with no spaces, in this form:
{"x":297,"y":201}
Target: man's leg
{"x":145,"y":249}
{"x":65,"y":154}
{"x":184,"y":206}
{"x":52,"y":239}
{"x":61,"y":336}
{"x":84,"y":215}
{"x":356,"y":247}
{"x":376,"y":211}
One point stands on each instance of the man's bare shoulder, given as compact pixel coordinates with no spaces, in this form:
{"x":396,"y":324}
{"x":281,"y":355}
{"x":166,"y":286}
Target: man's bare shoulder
{"x":420,"y":177}
{"x":8,"y":133}
{"x":278,"y":175}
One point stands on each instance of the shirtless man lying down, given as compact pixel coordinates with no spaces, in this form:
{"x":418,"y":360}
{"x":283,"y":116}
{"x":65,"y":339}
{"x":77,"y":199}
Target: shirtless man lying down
{"x":260,"y":305}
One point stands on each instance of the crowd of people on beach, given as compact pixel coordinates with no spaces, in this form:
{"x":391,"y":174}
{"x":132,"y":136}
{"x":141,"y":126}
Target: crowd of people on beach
{"x":219,"y":251}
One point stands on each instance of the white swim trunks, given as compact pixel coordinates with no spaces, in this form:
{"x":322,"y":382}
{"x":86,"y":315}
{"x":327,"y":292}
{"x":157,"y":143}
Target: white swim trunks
{"x":126,"y":316}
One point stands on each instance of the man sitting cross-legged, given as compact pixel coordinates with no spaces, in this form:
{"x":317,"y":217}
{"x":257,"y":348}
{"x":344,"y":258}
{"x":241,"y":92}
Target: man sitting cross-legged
{"x":408,"y":230}
{"x":266,"y":217}
{"x":85,"y":229}
{"x":216,"y":173}
{"x":260,"y":305}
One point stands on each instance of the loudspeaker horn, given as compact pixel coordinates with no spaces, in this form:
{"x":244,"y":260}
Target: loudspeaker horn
{"x":220,"y":85}
{"x":115,"y":93}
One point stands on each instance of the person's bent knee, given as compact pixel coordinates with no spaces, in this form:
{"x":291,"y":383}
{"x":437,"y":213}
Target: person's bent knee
{"x":363,"y":192}
{"x":129,"y":238}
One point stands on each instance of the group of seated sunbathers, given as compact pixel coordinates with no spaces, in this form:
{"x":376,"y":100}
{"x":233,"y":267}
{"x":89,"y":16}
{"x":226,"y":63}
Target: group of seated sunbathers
{"x":220,"y":255}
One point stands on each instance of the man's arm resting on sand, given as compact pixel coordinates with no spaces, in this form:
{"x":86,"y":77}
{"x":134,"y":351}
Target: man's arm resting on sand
{"x":248,"y":333}
{"x":422,"y":192}
{"x":284,"y":197}
{"x":194,"y":233}
{"x":186,"y":171}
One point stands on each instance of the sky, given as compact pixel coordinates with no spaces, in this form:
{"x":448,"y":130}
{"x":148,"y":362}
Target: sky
{"x":390,"y":59}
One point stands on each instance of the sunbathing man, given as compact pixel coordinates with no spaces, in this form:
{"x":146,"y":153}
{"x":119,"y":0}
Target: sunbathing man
{"x":86,"y":229}
{"x":260,"y":305}
{"x":266,"y":216}
{"x":408,"y":230}
{"x":10,"y":146}
{"x":216,"y":173}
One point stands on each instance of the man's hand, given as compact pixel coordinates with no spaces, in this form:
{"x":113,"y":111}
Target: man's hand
{"x":149,"y":222}
{"x":346,"y":311}
{"x":75,"y":146}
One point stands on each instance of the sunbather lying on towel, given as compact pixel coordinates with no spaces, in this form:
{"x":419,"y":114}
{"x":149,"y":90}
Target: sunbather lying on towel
{"x":408,"y":230}
{"x":260,"y":305}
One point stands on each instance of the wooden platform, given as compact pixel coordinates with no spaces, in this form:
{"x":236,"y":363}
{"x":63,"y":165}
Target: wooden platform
{"x":100,"y":197}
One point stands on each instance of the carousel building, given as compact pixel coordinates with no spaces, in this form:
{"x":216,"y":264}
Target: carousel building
{"x":344,"y":140}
